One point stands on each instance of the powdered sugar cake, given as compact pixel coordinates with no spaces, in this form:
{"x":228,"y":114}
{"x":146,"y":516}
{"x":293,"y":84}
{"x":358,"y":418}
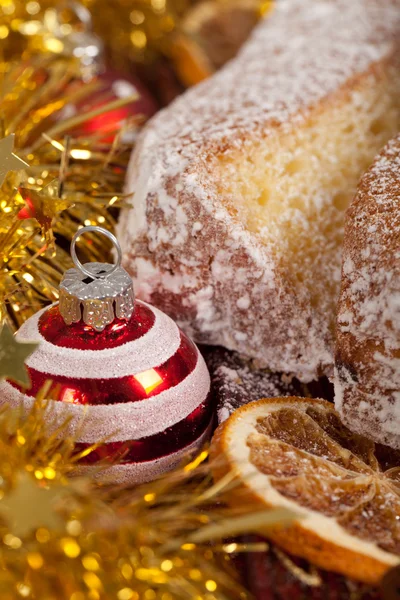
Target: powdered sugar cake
{"x":241,"y":184}
{"x":367,"y":382}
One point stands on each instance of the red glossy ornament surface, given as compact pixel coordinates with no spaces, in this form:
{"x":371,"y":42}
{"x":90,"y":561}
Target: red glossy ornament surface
{"x":83,"y":337}
{"x":168,"y":441}
{"x":133,"y":388}
{"x":138,"y":386}
{"x":114,"y":86}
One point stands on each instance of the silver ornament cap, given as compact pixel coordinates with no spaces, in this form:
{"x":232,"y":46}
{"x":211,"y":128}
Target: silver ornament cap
{"x":97,"y":293}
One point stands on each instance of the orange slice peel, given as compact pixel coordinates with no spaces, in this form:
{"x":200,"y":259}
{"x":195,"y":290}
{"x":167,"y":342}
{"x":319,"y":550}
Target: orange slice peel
{"x":295,"y":453}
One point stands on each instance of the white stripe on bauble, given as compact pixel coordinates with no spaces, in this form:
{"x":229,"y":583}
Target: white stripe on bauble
{"x":135,"y":473}
{"x":149,"y":351}
{"x":126,"y":420}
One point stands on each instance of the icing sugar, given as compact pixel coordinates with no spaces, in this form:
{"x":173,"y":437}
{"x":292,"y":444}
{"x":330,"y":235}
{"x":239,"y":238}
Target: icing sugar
{"x":298,"y":58}
{"x":346,"y":38}
{"x":368,"y":349}
{"x":236,"y":381}
{"x":372,"y":285}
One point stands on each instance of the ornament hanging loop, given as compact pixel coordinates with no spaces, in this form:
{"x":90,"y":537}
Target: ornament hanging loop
{"x":96,"y":293}
{"x":106,"y":233}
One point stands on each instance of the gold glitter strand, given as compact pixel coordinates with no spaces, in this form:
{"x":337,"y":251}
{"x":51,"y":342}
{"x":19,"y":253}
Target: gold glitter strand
{"x":32,"y":217}
{"x":79,"y":540}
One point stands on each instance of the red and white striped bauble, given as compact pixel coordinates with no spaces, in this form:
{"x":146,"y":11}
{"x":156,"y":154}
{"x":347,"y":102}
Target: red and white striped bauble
{"x":122,"y":372}
{"x":141,"y":384}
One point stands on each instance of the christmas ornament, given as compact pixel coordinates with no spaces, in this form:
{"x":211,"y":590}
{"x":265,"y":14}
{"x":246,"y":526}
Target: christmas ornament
{"x":66,"y":29}
{"x":126,"y":98}
{"x":123,"y":373}
{"x":128,"y":101}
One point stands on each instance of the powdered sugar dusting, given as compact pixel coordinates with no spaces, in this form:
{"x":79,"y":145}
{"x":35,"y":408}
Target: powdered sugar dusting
{"x":368,"y":354}
{"x":236,"y":381}
{"x":316,"y":47}
{"x":222,"y":283}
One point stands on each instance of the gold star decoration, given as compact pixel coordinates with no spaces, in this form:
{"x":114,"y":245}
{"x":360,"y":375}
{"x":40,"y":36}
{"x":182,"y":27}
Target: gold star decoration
{"x":30,"y":505}
{"x":8,"y":160}
{"x":12,"y":357}
{"x":43,"y":205}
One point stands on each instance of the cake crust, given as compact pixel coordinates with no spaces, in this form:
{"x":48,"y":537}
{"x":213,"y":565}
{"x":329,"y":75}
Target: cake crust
{"x":367,"y":381}
{"x":225,"y":275}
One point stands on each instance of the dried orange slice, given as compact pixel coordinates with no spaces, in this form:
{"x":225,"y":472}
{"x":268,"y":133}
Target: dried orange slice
{"x":296,"y":453}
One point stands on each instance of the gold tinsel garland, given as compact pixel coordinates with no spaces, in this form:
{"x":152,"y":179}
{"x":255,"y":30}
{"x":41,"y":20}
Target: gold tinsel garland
{"x":139,"y":31}
{"x":34,"y":91}
{"x":65,"y":538}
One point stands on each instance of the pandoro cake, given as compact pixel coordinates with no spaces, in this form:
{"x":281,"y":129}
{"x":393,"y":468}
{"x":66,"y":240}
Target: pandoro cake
{"x":367,"y":378}
{"x":240,"y":185}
